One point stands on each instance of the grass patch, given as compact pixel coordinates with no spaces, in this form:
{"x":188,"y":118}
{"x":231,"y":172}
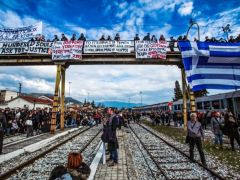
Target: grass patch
{"x":225,"y":155}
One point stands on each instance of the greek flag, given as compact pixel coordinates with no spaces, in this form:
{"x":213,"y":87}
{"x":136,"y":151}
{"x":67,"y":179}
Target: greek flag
{"x":211,"y":65}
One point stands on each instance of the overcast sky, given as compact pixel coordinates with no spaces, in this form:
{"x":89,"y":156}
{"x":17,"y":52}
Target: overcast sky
{"x":97,"y":17}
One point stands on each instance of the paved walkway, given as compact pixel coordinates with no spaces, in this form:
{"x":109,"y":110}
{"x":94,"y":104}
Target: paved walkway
{"x":119,"y":171}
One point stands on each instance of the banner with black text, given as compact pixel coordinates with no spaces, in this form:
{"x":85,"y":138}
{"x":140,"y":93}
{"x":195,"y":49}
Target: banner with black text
{"x":20,"y":34}
{"x":36,"y":47}
{"x":108,"y":47}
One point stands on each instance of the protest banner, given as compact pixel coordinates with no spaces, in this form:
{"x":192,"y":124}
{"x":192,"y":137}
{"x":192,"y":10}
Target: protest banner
{"x":108,"y":47}
{"x":36,"y":47}
{"x":150,"y":49}
{"x":20,"y":34}
{"x":64,"y":50}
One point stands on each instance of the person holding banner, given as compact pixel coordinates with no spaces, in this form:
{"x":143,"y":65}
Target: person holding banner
{"x":102,"y":38}
{"x":109,"y":38}
{"x":117,"y":37}
{"x":154,"y":39}
{"x":73,"y":37}
{"x":147,"y":37}
{"x":64,"y":38}
{"x":82,"y":37}
{"x":136,"y":38}
{"x":55,"y":39}
{"x":162,"y":38}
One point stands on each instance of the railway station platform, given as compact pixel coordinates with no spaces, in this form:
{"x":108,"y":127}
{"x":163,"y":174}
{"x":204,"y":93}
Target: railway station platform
{"x":121,"y":171}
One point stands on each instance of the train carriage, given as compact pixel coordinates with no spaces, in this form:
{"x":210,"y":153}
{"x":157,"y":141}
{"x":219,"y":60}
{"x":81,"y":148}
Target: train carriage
{"x":218,"y":102}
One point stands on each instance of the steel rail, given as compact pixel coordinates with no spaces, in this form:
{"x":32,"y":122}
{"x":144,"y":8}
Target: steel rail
{"x":42,"y":154}
{"x":156,"y":163}
{"x":144,"y":157}
{"x":183,"y":153}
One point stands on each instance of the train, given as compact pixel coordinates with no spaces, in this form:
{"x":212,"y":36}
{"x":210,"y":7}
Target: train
{"x":217,"y":102}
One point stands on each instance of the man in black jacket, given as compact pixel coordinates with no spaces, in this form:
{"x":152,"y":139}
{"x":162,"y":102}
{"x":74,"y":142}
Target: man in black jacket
{"x":64,"y":38}
{"x":3,"y":124}
{"x":136,"y":38}
{"x":82,"y":37}
{"x":147,"y":37}
{"x":113,"y":142}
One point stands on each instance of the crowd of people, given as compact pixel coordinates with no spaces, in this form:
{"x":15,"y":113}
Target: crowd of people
{"x":33,"y":122}
{"x":220,"y":123}
{"x":148,"y":37}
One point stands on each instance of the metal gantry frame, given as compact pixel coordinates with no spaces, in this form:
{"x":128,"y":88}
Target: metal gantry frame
{"x":60,"y":77}
{"x":92,"y":59}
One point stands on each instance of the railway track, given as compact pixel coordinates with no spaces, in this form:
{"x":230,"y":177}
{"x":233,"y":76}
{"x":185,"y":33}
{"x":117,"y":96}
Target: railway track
{"x":23,"y":142}
{"x":14,"y":142}
{"x":168,"y":161}
{"x":40,"y":166}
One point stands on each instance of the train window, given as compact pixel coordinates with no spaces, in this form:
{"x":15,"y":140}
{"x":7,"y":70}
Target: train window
{"x":206,"y":104}
{"x":216,"y":104}
{"x":178,"y":108}
{"x":199,"y":105}
{"x":175,"y":107}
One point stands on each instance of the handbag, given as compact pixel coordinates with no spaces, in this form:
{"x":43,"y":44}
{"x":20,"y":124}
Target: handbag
{"x":187,"y":140}
{"x":223,"y":128}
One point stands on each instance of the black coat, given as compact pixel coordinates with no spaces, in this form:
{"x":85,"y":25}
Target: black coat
{"x":231,"y":128}
{"x":3,"y":121}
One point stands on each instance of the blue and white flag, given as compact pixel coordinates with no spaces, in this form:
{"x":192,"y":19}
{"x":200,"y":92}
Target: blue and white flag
{"x":211,"y":65}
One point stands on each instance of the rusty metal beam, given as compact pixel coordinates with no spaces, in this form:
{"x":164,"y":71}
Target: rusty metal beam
{"x":89,"y":59}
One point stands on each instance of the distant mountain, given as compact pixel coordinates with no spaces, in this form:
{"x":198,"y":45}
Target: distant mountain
{"x":67,"y":99}
{"x":71,"y":100}
{"x":118,"y":104}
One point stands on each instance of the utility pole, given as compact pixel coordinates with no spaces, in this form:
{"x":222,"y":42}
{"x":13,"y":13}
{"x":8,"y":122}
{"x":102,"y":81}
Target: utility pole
{"x":226,"y":30}
{"x":20,"y":89}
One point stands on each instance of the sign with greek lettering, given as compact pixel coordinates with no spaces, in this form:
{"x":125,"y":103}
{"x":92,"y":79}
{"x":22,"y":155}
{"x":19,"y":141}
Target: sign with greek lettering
{"x":65,"y":50}
{"x":36,"y":47}
{"x":20,"y":34}
{"x":149,"y":49}
{"x":121,"y":47}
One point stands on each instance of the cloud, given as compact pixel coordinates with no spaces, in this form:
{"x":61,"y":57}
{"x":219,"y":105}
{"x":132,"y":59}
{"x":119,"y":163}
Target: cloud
{"x":113,"y":82}
{"x":29,"y":84}
{"x":213,"y":27}
{"x":122,"y":82}
{"x":185,"y":8}
{"x":152,"y":5}
{"x":11,"y":19}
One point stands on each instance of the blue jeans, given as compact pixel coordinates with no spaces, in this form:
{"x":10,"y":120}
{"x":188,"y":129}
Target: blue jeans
{"x":114,"y":155}
{"x":218,"y":139}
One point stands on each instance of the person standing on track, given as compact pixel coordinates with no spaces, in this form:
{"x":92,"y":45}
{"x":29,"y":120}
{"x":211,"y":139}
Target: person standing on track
{"x":113,"y":141}
{"x":216,"y":127}
{"x":195,"y":133}
{"x":3,"y":124}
